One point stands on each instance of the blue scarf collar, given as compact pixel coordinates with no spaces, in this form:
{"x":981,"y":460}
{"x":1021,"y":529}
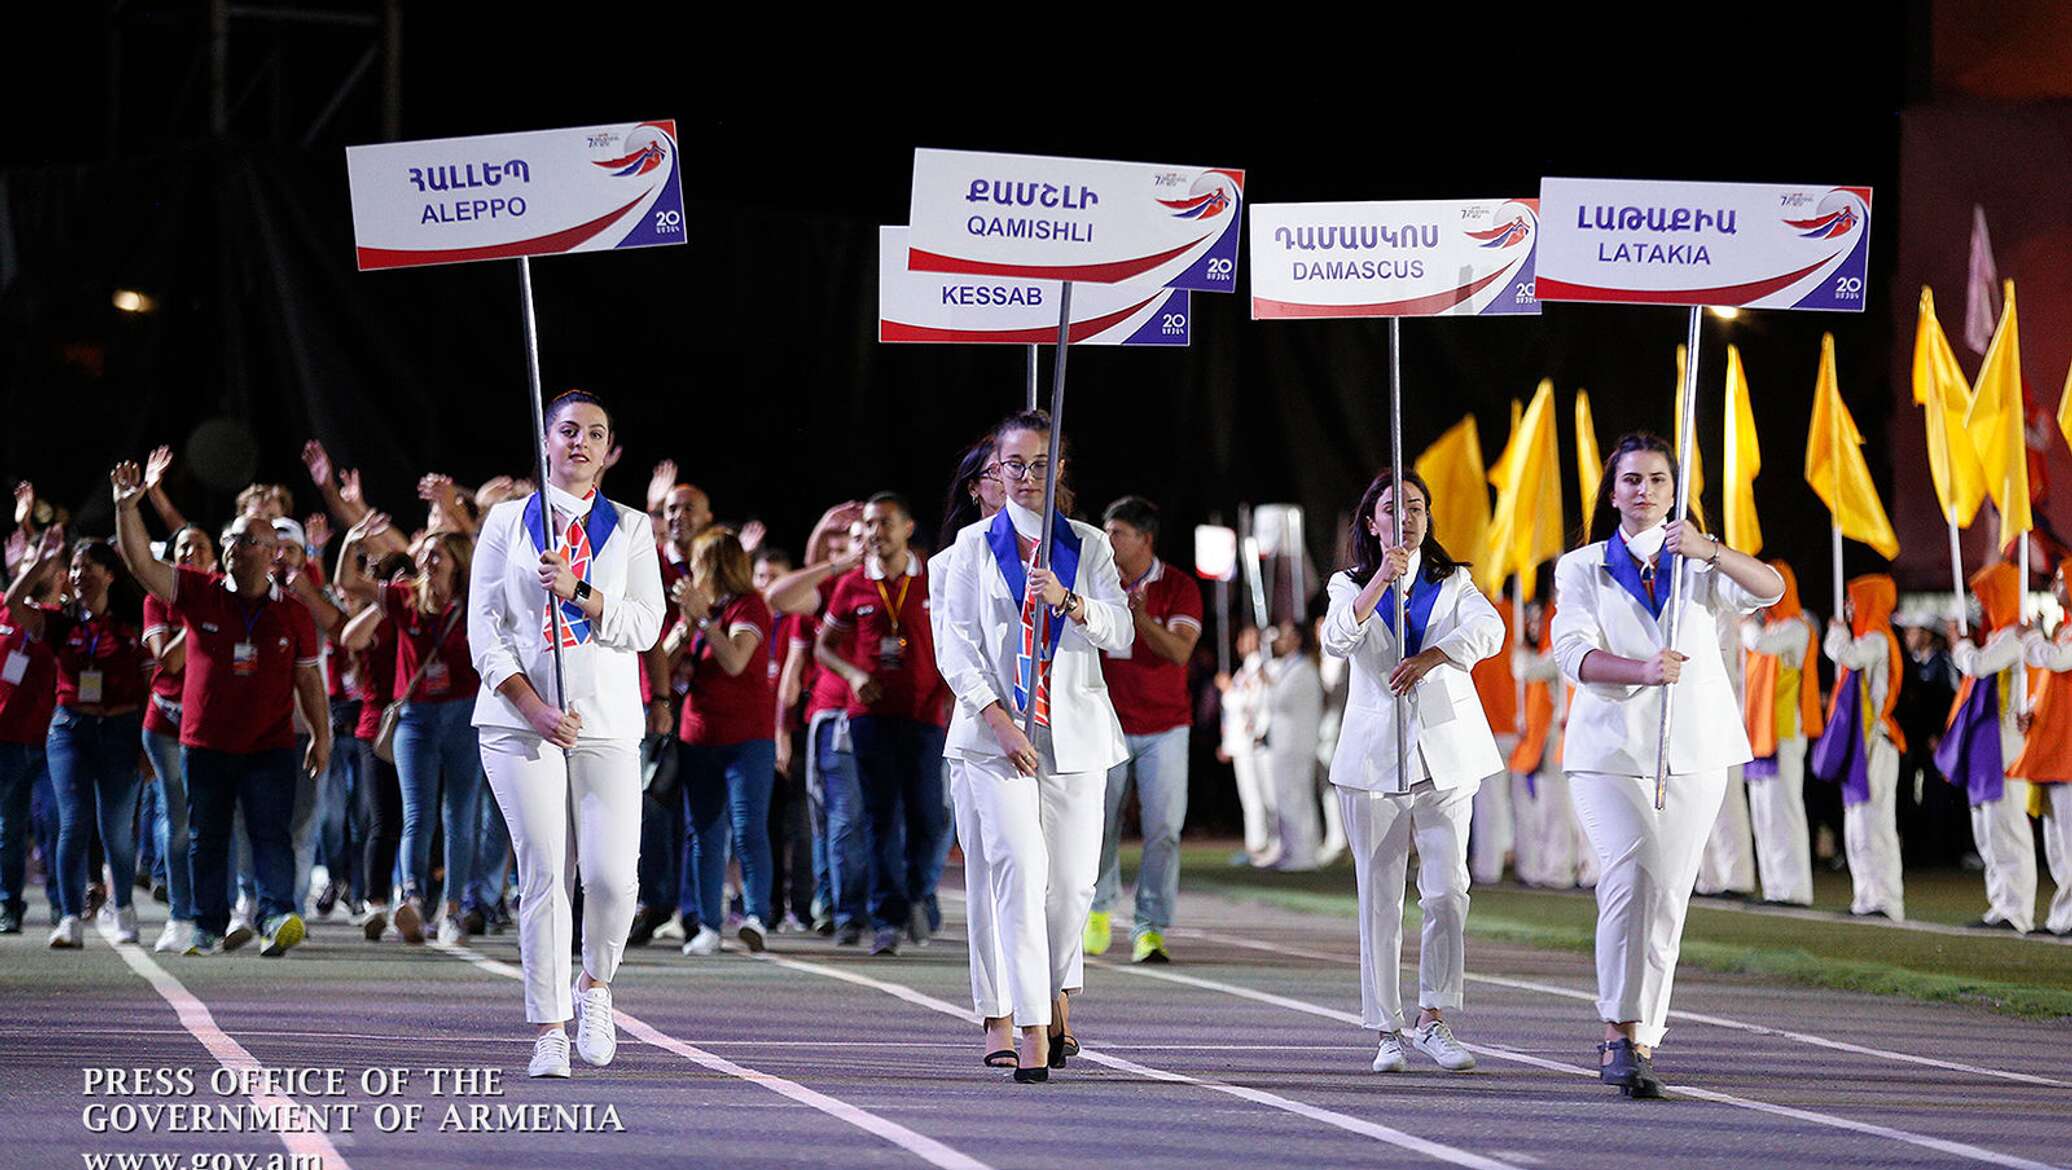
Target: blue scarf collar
{"x":1007,"y":553}
{"x":1626,"y":571}
{"x":1417,"y":610}
{"x":600,"y":523}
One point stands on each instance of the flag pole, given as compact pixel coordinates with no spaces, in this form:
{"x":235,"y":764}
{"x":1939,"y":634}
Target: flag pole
{"x":1679,"y":583}
{"x":1398,"y":591}
{"x":1957,"y":578}
{"x":2021,"y":612}
{"x":1518,"y":640}
{"x":1029,"y":400}
{"x":539,"y":447}
{"x":1050,"y":491}
{"x":1834,"y":517}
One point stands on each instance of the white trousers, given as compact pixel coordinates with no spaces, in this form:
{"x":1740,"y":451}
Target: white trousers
{"x":1551,"y":850}
{"x":981,"y":915}
{"x":1870,"y":838}
{"x":1256,"y":800}
{"x":1495,"y":822}
{"x":2000,"y":829}
{"x":1294,"y":772}
{"x":1729,"y":862}
{"x":1379,"y":829}
{"x":1648,"y":861}
{"x":2057,"y":849}
{"x":569,"y":811}
{"x":1042,"y":838}
{"x":1777,"y":811}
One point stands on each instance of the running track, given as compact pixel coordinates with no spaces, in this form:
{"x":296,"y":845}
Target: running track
{"x":1246,"y":1052}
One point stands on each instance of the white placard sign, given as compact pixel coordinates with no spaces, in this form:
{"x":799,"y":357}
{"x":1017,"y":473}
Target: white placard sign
{"x":1421,"y":258}
{"x":942,"y":307}
{"x":1752,"y":245}
{"x":1082,"y":220}
{"x":500,"y":196}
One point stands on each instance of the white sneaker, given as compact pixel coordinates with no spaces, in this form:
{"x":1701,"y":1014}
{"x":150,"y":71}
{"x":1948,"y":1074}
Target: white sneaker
{"x":549,"y":1055}
{"x":449,"y":930}
{"x":670,"y":931}
{"x":1436,"y":1041}
{"x":69,"y":934}
{"x":597,"y":1034}
{"x":173,"y":939}
{"x":240,"y":932}
{"x":126,"y":924}
{"x":751,"y":934}
{"x":1389,"y":1056}
{"x":705,"y":942}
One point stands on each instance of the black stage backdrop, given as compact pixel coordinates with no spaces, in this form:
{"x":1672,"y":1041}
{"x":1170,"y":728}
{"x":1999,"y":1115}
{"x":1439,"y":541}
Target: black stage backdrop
{"x":750,"y":356}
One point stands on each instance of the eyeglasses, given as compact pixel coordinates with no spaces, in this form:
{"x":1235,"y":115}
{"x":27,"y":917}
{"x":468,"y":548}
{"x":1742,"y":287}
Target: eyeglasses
{"x":244,"y":540}
{"x":989,"y":471}
{"x":1016,"y":469}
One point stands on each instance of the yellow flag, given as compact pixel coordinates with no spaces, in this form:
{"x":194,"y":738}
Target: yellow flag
{"x":1940,"y":387}
{"x":1590,"y":464}
{"x":1744,"y":461}
{"x":2065,"y":408}
{"x":1499,"y":477}
{"x":1996,"y":426}
{"x":1460,"y":495}
{"x":1696,"y":458}
{"x":1525,"y":529}
{"x":1835,"y":466}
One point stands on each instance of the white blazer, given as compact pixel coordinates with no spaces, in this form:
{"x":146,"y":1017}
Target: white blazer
{"x":507,"y":614}
{"x":1616,"y":729}
{"x":1450,"y":732}
{"x":981,"y":633}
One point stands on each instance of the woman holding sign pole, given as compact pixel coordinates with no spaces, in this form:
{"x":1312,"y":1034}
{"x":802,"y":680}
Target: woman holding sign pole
{"x":1450,"y":626}
{"x":556,"y":747}
{"x":1020,"y":648}
{"x":1608,"y":634}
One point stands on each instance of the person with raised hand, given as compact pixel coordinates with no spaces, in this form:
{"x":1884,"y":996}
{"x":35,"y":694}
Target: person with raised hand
{"x":560,"y":733}
{"x":251,"y":661}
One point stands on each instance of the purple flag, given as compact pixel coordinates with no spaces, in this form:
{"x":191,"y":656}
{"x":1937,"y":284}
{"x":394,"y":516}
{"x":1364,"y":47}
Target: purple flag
{"x":1841,"y":753}
{"x":1969,"y":755}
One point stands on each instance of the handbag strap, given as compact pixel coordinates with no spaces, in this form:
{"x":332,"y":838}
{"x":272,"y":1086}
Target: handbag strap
{"x":444,"y":630}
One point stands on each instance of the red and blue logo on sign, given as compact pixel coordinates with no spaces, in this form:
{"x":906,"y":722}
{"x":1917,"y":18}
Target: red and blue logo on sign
{"x":1504,"y":235}
{"x":1829,"y":224}
{"x":1207,"y":205}
{"x":647,"y":157}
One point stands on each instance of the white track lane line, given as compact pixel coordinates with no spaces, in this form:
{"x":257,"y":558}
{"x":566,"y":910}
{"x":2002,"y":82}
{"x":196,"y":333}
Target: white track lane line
{"x":1940,"y":1145}
{"x":1674,"y":1014}
{"x":920,"y":1145}
{"x":1336,"y":1120}
{"x":201,"y":1024}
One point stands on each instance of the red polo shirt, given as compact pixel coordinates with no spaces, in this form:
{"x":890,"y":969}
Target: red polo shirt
{"x":882,"y":627}
{"x":451,"y":675}
{"x":26,"y":701}
{"x":376,"y":679}
{"x":165,"y":684}
{"x":1150,"y":693}
{"x":720,"y":708}
{"x":239,"y":700}
{"x":106,"y":643}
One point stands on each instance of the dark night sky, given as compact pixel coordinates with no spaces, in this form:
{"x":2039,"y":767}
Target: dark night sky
{"x":748,"y":355}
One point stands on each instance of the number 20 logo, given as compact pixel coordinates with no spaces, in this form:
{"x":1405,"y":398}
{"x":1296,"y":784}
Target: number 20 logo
{"x":1220,"y":268}
{"x":1849,"y":286}
{"x":668,"y":221}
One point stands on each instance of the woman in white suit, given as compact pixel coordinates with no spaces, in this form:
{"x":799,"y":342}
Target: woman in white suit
{"x":1450,"y":627}
{"x":1039,"y":802}
{"x":551,"y":755}
{"x":1608,"y":636}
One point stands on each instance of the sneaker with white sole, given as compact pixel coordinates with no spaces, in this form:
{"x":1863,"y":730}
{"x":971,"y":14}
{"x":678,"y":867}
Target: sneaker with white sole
{"x":200,"y":943}
{"x":597,"y":1034}
{"x":173,"y":939}
{"x":239,"y":934}
{"x":69,"y":934}
{"x":705,"y":942}
{"x":1436,"y":1041}
{"x":450,"y":931}
{"x":126,"y":924}
{"x":751,"y":934}
{"x":671,"y":930}
{"x":549,"y":1055}
{"x":1388,"y":1057}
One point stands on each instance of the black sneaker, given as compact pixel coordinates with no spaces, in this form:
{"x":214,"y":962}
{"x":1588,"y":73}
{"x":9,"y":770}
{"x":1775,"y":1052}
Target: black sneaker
{"x":849,"y":936}
{"x":327,"y":901}
{"x":160,"y":894}
{"x":10,"y":922}
{"x":644,"y":923}
{"x":885,"y":941}
{"x":473,"y":923}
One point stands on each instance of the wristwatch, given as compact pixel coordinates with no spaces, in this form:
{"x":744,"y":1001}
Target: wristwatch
{"x":583,"y":591}
{"x":1071,"y":603}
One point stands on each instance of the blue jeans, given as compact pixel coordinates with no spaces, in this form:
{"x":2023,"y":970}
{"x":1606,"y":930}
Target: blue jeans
{"x":436,"y":741}
{"x":19,"y":765}
{"x":43,"y":816}
{"x":492,"y":854}
{"x":899,"y":766}
{"x":150,"y":863}
{"x":339,"y":832}
{"x":93,"y":771}
{"x":842,"y":850}
{"x":722,"y":785}
{"x":171,"y":825}
{"x":1159,"y":763}
{"x":219,"y":784}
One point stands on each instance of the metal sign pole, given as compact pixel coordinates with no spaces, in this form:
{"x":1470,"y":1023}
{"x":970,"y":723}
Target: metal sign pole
{"x":539,"y":448}
{"x":1398,"y":591}
{"x":1679,"y":584}
{"x":1050,"y":490}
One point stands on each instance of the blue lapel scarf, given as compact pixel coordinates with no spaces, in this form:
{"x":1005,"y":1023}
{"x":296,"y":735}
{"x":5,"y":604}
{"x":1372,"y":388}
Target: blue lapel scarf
{"x":602,"y":521}
{"x":1007,"y":553}
{"x":1417,"y":611}
{"x":1626,"y":571}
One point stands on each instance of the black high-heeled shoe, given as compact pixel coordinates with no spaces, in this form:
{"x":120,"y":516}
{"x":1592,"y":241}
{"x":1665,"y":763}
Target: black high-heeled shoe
{"x":1031,"y":1076}
{"x":1062,"y":1045}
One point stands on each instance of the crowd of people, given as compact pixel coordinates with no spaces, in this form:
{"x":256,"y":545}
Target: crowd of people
{"x":407,"y":723}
